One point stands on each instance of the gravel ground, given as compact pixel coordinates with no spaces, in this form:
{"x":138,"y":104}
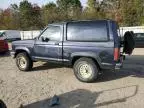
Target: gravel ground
{"x":34,"y":89}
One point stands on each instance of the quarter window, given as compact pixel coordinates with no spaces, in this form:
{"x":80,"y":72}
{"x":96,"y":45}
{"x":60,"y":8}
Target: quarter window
{"x":87,"y":31}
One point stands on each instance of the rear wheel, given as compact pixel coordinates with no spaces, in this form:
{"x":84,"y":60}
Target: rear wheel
{"x":24,"y":63}
{"x":85,"y":70}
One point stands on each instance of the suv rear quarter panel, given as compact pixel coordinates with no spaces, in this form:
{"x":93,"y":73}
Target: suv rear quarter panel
{"x":102,"y":52}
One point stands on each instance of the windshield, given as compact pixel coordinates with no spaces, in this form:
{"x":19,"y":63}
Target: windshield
{"x":1,"y":34}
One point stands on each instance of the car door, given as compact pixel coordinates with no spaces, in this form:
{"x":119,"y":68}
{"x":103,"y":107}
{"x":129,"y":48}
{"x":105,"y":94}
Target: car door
{"x":48,"y":46}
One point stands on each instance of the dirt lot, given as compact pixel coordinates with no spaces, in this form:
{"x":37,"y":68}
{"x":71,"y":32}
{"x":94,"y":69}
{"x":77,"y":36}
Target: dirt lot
{"x":123,"y":89}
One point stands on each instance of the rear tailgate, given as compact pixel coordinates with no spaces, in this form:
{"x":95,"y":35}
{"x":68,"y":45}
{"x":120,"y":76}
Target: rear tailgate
{"x":3,"y":46}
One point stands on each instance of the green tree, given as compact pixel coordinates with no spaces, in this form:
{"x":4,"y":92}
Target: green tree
{"x":37,"y":22}
{"x":5,"y":19}
{"x":91,"y":6}
{"x":50,"y":13}
{"x":30,"y":16}
{"x":132,"y":12}
{"x":127,"y":13}
{"x":112,"y":9}
{"x":25,"y":9}
{"x":69,"y":9}
{"x":94,"y":10}
{"x":14,"y":9}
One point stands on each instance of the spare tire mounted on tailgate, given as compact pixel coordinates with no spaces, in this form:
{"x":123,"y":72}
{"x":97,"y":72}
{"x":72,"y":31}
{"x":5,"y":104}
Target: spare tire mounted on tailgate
{"x":129,"y":42}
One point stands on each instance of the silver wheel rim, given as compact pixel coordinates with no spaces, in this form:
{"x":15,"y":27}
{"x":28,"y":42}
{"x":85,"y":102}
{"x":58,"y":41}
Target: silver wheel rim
{"x":22,"y":62}
{"x":85,"y":70}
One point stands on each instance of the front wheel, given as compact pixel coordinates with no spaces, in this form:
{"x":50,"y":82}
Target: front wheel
{"x":85,"y":70}
{"x":24,"y":63}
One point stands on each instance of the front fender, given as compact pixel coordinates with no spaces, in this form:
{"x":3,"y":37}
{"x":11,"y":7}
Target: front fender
{"x":21,"y":49}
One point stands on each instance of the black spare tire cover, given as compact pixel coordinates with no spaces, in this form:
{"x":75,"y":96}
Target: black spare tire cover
{"x":129,"y":42}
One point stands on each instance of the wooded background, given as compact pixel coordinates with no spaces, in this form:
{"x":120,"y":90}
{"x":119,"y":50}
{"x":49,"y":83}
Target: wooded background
{"x":28,"y":16}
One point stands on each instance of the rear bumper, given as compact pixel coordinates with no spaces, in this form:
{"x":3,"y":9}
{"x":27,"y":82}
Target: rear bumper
{"x":4,"y":50}
{"x":119,"y":65}
{"x":115,"y":65}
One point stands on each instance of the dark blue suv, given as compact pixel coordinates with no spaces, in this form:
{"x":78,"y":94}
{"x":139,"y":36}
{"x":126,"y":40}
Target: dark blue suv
{"x":88,"y":46}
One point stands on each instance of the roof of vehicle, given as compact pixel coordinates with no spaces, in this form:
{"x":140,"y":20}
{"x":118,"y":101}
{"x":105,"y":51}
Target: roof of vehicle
{"x":61,"y":23}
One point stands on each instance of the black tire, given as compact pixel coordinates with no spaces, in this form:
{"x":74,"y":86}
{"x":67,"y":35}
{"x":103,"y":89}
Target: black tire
{"x":28,"y":62}
{"x":94,"y":69}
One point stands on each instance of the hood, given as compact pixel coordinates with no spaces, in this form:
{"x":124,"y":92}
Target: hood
{"x":23,"y":42}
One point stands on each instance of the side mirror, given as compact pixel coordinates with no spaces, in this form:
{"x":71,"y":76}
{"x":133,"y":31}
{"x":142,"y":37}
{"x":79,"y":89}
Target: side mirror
{"x":45,"y":39}
{"x":35,"y":37}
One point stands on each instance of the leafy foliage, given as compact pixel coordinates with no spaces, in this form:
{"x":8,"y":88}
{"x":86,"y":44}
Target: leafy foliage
{"x":28,"y":16}
{"x":71,"y":9}
{"x":49,"y":13}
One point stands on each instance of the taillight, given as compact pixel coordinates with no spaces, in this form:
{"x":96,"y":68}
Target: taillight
{"x":6,"y":45}
{"x":116,"y":54}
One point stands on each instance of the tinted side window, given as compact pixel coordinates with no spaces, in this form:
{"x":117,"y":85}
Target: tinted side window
{"x":139,"y":36}
{"x":87,"y":31}
{"x":52,"y":33}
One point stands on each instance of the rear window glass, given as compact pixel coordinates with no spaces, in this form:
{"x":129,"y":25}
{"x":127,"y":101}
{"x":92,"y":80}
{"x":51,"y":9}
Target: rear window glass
{"x":87,"y":31}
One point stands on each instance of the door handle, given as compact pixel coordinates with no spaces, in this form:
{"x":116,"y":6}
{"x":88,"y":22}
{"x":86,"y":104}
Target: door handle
{"x":56,"y":43}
